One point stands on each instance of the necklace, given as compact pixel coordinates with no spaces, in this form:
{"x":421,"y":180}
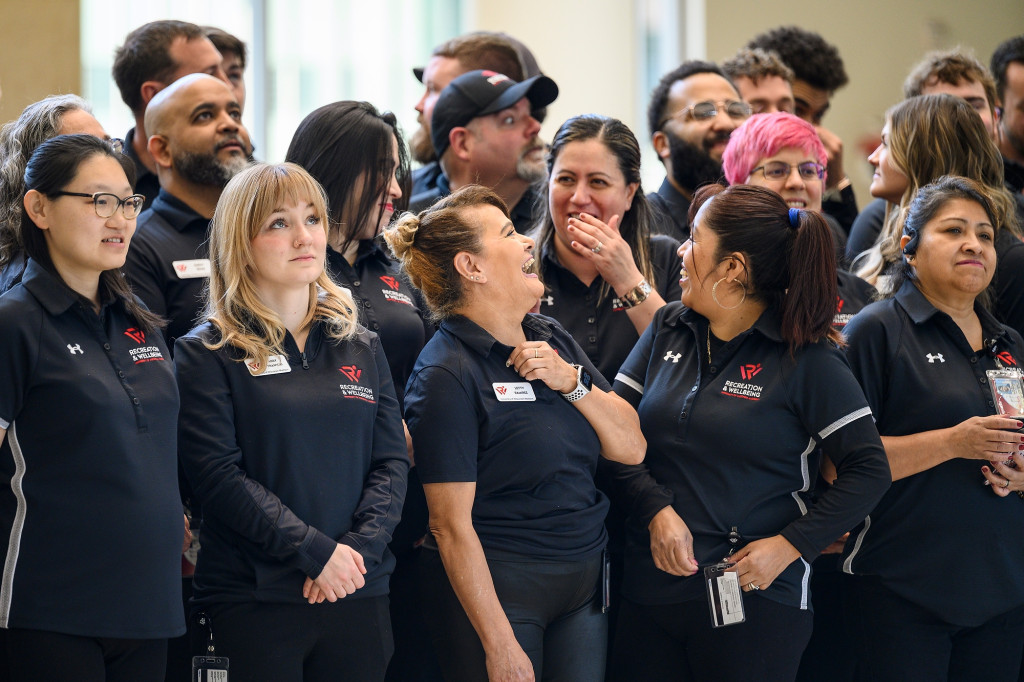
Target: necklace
{"x":709,"y":344}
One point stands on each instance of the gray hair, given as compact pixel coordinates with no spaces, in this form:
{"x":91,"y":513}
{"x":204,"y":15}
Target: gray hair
{"x":39,"y":122}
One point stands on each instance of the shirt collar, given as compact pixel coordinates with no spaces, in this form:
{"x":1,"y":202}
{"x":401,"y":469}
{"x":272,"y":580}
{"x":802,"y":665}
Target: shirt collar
{"x":537,"y":328}
{"x":140,"y":168}
{"x":177,"y":213}
{"x":675,"y":199}
{"x":921,"y":310}
{"x":769,"y":324}
{"x":53,"y":294}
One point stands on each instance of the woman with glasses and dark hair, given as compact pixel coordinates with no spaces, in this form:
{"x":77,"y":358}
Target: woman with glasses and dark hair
{"x":97,"y":491}
{"x":737,"y":386}
{"x":363,"y":194}
{"x":291,"y":436}
{"x":936,"y":591}
{"x":47,"y":118}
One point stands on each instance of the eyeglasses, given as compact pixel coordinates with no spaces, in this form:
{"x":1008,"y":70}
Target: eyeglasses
{"x":702,"y":111}
{"x":116,"y":145}
{"x":106,"y":204}
{"x":780,"y":170}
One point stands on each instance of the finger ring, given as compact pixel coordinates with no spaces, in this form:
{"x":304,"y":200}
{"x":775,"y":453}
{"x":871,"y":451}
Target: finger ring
{"x":1006,"y":483}
{"x":753,"y":587}
{"x":597,"y":249}
{"x":536,"y":354}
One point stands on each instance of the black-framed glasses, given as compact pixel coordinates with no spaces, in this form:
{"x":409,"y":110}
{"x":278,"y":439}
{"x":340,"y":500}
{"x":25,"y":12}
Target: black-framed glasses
{"x":780,"y":170}
{"x":116,"y":145}
{"x":702,"y":111}
{"x":106,"y":204}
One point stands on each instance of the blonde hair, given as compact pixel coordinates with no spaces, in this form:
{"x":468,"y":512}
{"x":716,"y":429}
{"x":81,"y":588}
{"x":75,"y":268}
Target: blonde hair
{"x":931,"y":136}
{"x":426,"y":245}
{"x":234,"y":305}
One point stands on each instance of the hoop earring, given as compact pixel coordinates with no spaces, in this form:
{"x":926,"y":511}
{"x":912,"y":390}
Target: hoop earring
{"x":714,"y":295}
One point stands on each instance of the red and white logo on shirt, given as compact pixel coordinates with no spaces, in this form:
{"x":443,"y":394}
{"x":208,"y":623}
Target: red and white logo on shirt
{"x":353,"y":373}
{"x":142,"y":353}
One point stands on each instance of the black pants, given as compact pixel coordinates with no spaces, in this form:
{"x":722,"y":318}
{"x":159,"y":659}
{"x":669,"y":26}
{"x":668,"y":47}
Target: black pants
{"x":39,"y":655}
{"x":349,"y":639}
{"x":830,"y":654}
{"x":899,"y":640}
{"x":677,"y":642}
{"x":554,"y":610}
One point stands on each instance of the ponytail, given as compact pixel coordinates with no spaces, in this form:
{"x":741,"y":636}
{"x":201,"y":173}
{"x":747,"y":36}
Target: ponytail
{"x":792,"y":262}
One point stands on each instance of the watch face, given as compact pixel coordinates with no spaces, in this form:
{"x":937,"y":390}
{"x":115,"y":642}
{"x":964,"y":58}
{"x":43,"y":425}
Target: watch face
{"x":585,"y":377}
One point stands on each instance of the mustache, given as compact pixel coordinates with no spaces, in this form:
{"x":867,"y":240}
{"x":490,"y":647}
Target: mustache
{"x":234,"y":140}
{"x":713,"y":139}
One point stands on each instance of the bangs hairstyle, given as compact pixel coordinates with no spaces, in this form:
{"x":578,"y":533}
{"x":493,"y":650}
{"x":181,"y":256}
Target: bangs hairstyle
{"x":931,"y":136}
{"x":791,"y":269}
{"x":341,"y":144}
{"x":234,"y":305}
{"x":52,"y":167}
{"x":426,"y":246}
{"x":764,"y":135}
{"x":635,"y":224}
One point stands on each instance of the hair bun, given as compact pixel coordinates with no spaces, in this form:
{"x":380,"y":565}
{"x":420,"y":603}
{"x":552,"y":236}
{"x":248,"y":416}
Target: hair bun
{"x":402,"y":233}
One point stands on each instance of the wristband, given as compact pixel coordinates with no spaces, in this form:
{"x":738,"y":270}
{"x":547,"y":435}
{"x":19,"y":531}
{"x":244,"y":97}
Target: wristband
{"x":636,"y":295}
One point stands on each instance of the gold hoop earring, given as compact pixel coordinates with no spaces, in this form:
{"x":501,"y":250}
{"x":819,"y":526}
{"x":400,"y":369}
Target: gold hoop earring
{"x":714,"y":295}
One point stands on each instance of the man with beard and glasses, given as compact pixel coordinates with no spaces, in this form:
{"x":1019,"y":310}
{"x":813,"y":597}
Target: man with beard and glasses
{"x":692,"y":112}
{"x":198,"y":143}
{"x":484,"y":133}
{"x":478,"y":50}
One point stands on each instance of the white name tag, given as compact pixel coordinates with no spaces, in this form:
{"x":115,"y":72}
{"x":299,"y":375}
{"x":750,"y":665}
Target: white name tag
{"x":276,"y":364}
{"x":192,"y":269}
{"x":514,"y":391}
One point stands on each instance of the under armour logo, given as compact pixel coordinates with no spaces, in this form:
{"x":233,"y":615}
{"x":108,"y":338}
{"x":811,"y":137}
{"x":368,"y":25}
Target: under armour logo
{"x":77,"y":348}
{"x":674,"y":357}
{"x":548,"y":300}
{"x":933,"y":358}
{"x":750,"y":371}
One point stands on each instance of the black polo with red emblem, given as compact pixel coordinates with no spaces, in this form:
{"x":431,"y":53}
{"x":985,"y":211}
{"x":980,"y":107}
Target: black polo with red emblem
{"x":731,"y":446}
{"x":89,"y":506}
{"x":289,"y":460}
{"x":388,"y":305}
{"x":852,"y":295}
{"x":600,"y":325}
{"x":939,"y":538}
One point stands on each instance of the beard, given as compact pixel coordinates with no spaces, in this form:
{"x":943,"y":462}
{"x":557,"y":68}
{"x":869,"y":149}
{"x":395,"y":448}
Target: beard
{"x":692,"y":166}
{"x":529,"y":169}
{"x":207,"y":169}
{"x":420,"y":147}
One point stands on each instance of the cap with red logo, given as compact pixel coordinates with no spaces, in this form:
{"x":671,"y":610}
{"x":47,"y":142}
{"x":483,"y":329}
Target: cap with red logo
{"x":480,"y":92}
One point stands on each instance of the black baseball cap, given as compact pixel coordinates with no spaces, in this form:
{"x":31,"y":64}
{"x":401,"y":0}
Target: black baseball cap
{"x":482,"y":92}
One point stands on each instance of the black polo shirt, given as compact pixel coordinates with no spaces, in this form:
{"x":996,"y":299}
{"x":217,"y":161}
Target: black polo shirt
{"x":939,"y":538}
{"x":730,"y":445}
{"x":89,"y":505}
{"x":522,"y":214}
{"x":146,"y":182}
{"x":1008,"y":283}
{"x":12,"y":273}
{"x":531,"y":453}
{"x":287,"y":464}
{"x":388,"y":305}
{"x":169,"y":264}
{"x":853,"y":294}
{"x":601,"y":326}
{"x":671,"y":209}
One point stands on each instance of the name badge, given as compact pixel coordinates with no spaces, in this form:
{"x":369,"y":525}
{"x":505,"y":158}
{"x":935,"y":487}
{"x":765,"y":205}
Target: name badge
{"x":276,"y":364}
{"x":514,"y":392}
{"x":192,"y":269}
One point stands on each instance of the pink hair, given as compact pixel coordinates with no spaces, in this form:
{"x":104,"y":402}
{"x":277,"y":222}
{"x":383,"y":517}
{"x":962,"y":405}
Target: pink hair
{"x":764,"y":135}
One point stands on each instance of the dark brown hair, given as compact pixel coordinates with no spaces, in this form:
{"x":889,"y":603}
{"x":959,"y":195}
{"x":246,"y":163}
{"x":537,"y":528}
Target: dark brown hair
{"x":791,"y":268}
{"x":426,"y":245}
{"x":146,"y":56}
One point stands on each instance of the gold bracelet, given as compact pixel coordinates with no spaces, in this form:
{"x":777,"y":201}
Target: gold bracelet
{"x":636,"y":295}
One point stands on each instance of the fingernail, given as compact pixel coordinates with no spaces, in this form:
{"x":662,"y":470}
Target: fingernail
{"x":508,"y":363}
{"x":985,"y":470}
